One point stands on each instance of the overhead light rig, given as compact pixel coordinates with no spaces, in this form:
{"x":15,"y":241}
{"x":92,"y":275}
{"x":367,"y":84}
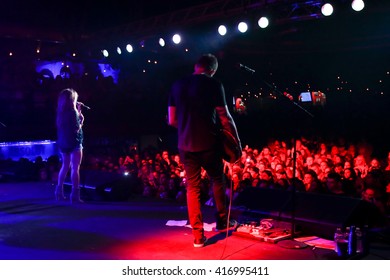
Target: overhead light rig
{"x":286,"y":10}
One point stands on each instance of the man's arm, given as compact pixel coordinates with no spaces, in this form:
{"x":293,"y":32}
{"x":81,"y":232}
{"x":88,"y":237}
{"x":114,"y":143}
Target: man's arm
{"x":172,"y":117}
{"x":227,"y":121}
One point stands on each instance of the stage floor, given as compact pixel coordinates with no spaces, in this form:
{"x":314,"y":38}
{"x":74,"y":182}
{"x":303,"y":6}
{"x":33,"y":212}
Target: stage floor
{"x":33,"y":226}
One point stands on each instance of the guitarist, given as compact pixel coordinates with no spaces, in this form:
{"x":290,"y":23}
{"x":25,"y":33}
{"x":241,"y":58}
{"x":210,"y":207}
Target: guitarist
{"x":195,"y":102}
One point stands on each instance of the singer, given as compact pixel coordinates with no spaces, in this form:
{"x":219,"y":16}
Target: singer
{"x":70,"y":142}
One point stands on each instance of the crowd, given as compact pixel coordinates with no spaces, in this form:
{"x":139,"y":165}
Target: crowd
{"x":334,"y":169}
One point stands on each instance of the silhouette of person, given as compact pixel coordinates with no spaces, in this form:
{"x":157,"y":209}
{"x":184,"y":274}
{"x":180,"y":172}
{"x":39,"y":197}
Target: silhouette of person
{"x":195,"y":104}
{"x":70,"y":142}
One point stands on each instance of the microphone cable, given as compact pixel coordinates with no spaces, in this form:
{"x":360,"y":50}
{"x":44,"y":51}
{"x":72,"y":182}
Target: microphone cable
{"x":228,"y":217}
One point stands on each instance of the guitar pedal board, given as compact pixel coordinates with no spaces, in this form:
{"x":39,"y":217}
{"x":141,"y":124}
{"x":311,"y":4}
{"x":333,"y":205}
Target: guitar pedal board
{"x":267,"y":231}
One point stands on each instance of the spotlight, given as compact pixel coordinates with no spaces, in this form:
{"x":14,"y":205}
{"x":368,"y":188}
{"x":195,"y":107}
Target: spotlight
{"x":176,"y":39}
{"x":357,"y":5}
{"x":118,"y":50}
{"x":161,"y":42}
{"x":327,"y":9}
{"x":222,"y":30}
{"x":105,"y":53}
{"x":242,"y":27}
{"x":263,"y":22}
{"x":129,"y":48}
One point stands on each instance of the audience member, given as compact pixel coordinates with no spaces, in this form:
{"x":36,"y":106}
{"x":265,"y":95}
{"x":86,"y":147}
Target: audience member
{"x":312,"y":183}
{"x":334,"y":185}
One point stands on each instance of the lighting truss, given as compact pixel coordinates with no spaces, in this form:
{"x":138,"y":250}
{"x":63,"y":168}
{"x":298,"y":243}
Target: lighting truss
{"x":286,"y":10}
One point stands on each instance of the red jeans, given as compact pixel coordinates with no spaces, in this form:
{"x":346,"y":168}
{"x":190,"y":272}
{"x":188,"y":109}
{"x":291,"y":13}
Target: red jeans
{"x":212,"y":162}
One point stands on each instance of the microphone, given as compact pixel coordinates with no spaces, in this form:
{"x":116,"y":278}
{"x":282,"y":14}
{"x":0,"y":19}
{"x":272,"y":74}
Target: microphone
{"x":83,"y":105}
{"x":246,"y":68}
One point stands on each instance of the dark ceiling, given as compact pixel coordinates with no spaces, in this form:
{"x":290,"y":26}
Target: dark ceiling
{"x":298,"y":28}
{"x":27,"y":18}
{"x":86,"y":20}
{"x":88,"y":16}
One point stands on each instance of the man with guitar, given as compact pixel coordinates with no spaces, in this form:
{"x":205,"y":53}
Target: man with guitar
{"x":196,"y":105}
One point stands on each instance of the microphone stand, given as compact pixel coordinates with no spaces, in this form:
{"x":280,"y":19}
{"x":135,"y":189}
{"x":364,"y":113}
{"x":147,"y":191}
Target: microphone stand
{"x":291,"y":243}
{"x":287,"y":243}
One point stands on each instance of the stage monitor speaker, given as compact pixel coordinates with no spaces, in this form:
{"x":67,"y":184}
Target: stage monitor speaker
{"x":320,"y":214}
{"x":104,"y":186}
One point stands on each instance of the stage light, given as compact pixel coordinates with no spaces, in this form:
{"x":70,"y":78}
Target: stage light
{"x":119,"y":50}
{"x":129,"y":48}
{"x":242,"y":27}
{"x":176,"y":39}
{"x":105,"y":53}
{"x":357,"y":5}
{"x":38,"y":49}
{"x":327,"y":9}
{"x":161,"y":42}
{"x":263,"y":22}
{"x":222,"y":30}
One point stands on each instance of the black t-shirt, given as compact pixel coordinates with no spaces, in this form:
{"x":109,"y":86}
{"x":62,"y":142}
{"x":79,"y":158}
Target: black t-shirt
{"x":195,"y":98}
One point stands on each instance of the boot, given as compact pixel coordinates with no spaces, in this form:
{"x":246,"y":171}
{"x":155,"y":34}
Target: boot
{"x":75,"y":196}
{"x":59,"y":193}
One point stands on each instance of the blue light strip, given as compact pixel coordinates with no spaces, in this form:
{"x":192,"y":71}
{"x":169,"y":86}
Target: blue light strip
{"x":26,"y":143}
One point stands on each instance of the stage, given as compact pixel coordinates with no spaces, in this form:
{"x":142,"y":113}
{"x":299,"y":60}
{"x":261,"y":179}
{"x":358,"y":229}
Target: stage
{"x":33,"y":226}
